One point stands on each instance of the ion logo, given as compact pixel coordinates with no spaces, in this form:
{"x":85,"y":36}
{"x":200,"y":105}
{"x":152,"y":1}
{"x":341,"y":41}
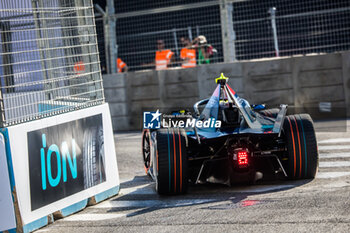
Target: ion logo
{"x":63,"y":157}
{"x":151,"y":120}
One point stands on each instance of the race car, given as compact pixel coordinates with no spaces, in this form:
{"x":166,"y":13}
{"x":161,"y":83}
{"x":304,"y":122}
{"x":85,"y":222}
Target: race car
{"x":249,"y":144}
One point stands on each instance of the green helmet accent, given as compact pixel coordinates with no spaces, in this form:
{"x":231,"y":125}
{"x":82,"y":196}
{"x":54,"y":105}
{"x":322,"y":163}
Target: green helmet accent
{"x":222,"y":79}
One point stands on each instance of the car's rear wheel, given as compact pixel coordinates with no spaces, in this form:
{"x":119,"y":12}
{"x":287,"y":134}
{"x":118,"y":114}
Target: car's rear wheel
{"x":302,"y":154}
{"x":172,"y":163}
{"x":146,"y":149}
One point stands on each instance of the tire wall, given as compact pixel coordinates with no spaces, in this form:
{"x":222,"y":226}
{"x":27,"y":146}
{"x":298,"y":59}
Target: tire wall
{"x":315,"y":84}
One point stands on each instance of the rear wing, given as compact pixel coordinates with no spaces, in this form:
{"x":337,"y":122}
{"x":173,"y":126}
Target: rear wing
{"x":253,"y":119}
{"x":248,"y":114}
{"x":277,"y":127}
{"x":243,"y":107}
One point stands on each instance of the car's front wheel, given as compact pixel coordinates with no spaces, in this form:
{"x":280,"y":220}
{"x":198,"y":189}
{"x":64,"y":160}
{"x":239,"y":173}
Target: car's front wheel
{"x":146,"y":149}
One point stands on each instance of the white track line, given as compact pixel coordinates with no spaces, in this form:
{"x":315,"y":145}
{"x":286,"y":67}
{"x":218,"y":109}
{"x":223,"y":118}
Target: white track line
{"x":42,"y":230}
{"x":335,"y":164}
{"x":141,"y":189}
{"x":334,"y":147}
{"x":92,"y":217}
{"x":338,"y":184}
{"x":326,"y":175}
{"x":335,"y":155}
{"x":335,"y":140}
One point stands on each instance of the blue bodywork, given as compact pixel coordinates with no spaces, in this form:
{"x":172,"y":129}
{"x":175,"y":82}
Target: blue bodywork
{"x":251,"y":121}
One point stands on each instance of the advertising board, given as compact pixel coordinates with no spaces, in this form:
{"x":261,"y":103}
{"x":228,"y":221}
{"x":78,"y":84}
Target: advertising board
{"x":62,"y":160}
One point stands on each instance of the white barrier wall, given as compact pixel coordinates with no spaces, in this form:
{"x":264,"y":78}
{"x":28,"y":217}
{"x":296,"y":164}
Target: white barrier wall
{"x":62,"y":160}
{"x":7,"y":215}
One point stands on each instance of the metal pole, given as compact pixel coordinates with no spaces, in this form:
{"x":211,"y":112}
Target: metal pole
{"x":105,"y":34}
{"x":197,"y":30}
{"x":94,"y":89}
{"x":112,"y":37}
{"x":232,"y":33}
{"x":41,"y":46}
{"x":175,"y":41}
{"x":84,"y":40}
{"x":227,"y":33}
{"x":189,"y":33}
{"x":5,"y":37}
{"x":272,"y":11}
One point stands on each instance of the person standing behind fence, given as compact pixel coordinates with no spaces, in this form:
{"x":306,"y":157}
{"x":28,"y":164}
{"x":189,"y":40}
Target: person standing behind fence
{"x":205,"y":50}
{"x":187,"y":54}
{"x":163,"y":56}
{"x":121,"y":66}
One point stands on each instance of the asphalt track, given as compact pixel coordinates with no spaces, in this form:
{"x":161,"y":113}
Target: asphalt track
{"x":319,"y":205}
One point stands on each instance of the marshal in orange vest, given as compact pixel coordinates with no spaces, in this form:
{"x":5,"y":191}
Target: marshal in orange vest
{"x":189,"y":55}
{"x":120,"y":65}
{"x":163,"y":58}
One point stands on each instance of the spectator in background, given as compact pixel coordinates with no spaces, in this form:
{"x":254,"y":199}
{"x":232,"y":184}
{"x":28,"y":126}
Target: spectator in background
{"x":205,"y":51}
{"x":121,"y":66}
{"x":164,"y":57}
{"x":187,"y":54}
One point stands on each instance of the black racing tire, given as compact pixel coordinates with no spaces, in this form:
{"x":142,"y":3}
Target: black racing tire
{"x":302,"y":153}
{"x":146,"y":149}
{"x":272,"y":112}
{"x":172,"y":163}
{"x":93,"y":157}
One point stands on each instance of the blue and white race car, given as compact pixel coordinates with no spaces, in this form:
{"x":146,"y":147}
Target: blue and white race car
{"x":248,"y":143}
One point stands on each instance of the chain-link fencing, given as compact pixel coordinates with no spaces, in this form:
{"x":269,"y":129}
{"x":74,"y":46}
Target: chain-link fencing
{"x":49,"y":61}
{"x":234,"y":29}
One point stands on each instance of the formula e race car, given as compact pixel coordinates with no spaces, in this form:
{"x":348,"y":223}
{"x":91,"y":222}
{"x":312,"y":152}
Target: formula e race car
{"x":247,"y":143}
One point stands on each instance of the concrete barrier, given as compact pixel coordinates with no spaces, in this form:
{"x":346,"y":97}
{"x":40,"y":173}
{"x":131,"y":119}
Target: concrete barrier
{"x":303,"y":82}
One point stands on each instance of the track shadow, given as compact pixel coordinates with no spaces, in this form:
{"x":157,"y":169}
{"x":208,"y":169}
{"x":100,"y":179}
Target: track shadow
{"x":136,"y":181}
{"x":225,"y":197}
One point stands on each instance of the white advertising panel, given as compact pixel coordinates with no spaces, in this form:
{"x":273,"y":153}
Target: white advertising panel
{"x":61,"y":160}
{"x":7,"y":214}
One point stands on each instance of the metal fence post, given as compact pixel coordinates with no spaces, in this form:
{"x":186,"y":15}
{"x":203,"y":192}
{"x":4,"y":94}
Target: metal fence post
{"x":105,"y":34}
{"x":227,"y":33}
{"x":272,"y":11}
{"x":175,"y":42}
{"x":190,"y":33}
{"x":40,"y":33}
{"x":112,"y":37}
